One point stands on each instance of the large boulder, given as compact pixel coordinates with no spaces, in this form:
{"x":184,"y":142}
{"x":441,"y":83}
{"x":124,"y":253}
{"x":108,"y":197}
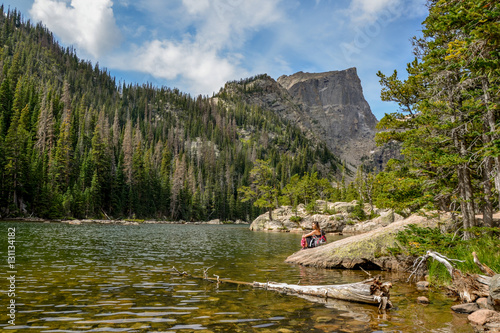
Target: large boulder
{"x":345,"y":207}
{"x":386,"y":217}
{"x":494,"y":297}
{"x":368,"y":250}
{"x":485,"y":320}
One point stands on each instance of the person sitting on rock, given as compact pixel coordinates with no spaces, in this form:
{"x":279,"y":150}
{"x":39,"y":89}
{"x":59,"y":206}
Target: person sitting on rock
{"x":311,"y":239}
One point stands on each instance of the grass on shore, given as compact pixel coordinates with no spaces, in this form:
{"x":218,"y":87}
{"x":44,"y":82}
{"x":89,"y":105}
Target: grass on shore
{"x":486,"y":244}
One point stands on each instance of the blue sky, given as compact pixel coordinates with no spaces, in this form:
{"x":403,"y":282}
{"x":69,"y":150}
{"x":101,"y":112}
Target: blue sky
{"x":198,"y":45}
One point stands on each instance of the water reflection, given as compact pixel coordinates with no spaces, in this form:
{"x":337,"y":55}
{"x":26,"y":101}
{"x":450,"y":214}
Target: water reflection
{"x":110,"y":278}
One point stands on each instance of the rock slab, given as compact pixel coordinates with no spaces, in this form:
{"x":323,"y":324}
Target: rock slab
{"x":488,"y":319}
{"x":494,"y":298}
{"x":368,"y":250}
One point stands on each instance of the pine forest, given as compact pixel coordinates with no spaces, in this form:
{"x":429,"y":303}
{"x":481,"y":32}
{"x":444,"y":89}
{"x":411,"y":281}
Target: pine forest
{"x":76,"y":143}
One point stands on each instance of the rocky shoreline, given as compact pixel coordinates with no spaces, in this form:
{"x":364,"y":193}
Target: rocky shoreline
{"x":124,"y":222}
{"x":332,"y":217}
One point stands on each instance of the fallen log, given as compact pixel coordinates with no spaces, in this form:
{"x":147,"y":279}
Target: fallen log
{"x":370,"y":291}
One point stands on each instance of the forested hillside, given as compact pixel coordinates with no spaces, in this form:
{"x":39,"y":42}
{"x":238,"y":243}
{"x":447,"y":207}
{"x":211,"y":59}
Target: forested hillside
{"x":76,"y":143}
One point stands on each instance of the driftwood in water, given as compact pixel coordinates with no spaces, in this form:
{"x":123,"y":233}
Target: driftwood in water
{"x":371,"y":291}
{"x":469,"y":287}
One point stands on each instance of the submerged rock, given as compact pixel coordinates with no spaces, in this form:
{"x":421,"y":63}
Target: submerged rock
{"x":423,"y":285}
{"x":465,"y":308}
{"x":423,"y":300}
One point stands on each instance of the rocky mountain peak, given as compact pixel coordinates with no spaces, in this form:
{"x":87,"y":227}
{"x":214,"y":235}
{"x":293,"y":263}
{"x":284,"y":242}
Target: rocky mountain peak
{"x":328,"y":106}
{"x":334,"y":101}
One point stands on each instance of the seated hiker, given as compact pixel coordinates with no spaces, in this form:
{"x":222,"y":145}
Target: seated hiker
{"x":314,"y":238}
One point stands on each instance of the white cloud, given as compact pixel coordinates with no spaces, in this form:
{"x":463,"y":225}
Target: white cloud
{"x":193,"y":64}
{"x":368,"y":11}
{"x":89,"y":24}
{"x":207,"y":57}
{"x":196,"y":6}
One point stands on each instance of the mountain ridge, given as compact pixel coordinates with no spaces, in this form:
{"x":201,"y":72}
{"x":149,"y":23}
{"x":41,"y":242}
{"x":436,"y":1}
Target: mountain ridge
{"x":329,"y":107}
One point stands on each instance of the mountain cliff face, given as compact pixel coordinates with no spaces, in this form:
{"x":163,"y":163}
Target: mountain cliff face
{"x":329,"y":107}
{"x":335,"y":104}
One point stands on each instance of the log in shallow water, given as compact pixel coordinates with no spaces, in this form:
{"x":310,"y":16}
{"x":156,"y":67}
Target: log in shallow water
{"x":371,"y":291}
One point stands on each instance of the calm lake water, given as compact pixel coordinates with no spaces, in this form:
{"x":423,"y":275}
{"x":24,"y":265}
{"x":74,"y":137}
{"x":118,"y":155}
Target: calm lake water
{"x":117,"y":278}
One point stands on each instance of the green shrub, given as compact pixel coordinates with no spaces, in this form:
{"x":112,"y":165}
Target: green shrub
{"x":296,"y":219}
{"x":134,"y":220}
{"x":358,"y":213}
{"x":312,"y":208}
{"x":327,"y":211}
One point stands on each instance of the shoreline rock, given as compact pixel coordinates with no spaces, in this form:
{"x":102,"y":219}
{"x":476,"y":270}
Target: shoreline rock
{"x":123,"y":222}
{"x":333,"y":217}
{"x":368,"y":250}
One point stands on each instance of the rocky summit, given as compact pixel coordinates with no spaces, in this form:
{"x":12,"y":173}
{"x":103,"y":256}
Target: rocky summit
{"x":335,"y":104}
{"x":329,"y":107}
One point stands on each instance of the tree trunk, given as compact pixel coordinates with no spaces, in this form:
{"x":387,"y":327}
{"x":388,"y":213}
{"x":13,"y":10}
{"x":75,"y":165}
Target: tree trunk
{"x":465,"y":186}
{"x":468,"y":209}
{"x":488,"y":195}
{"x":491,"y":121}
{"x":270,"y":214}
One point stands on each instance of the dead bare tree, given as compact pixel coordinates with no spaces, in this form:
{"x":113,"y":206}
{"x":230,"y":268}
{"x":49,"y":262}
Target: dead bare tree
{"x":469,"y":287}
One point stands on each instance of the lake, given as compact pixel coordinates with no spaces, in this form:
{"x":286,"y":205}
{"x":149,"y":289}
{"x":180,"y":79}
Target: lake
{"x":119,"y":278}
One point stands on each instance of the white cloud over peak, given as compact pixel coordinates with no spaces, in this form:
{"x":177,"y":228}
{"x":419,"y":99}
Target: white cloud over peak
{"x":194,"y":65}
{"x":209,"y":55}
{"x":88,"y":24}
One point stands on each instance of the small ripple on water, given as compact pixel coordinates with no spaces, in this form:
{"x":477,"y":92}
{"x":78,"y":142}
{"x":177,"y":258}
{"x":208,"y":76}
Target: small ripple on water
{"x":189,"y":327}
{"x":61,"y":318}
{"x":239,"y":320}
{"x":128,"y":320}
{"x":264,"y":325}
{"x":142,"y":314}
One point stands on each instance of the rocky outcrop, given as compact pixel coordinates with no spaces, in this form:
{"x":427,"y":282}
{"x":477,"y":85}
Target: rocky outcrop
{"x":329,"y":107}
{"x":333,"y":218}
{"x":337,"y":109}
{"x":386,"y":217}
{"x":368,"y":250}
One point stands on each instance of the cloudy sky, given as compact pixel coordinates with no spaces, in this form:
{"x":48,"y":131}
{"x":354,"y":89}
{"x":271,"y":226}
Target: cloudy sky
{"x":198,"y":45}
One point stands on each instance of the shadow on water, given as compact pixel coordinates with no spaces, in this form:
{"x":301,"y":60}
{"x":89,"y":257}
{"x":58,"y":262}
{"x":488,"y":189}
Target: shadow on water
{"x":114,"y":278}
